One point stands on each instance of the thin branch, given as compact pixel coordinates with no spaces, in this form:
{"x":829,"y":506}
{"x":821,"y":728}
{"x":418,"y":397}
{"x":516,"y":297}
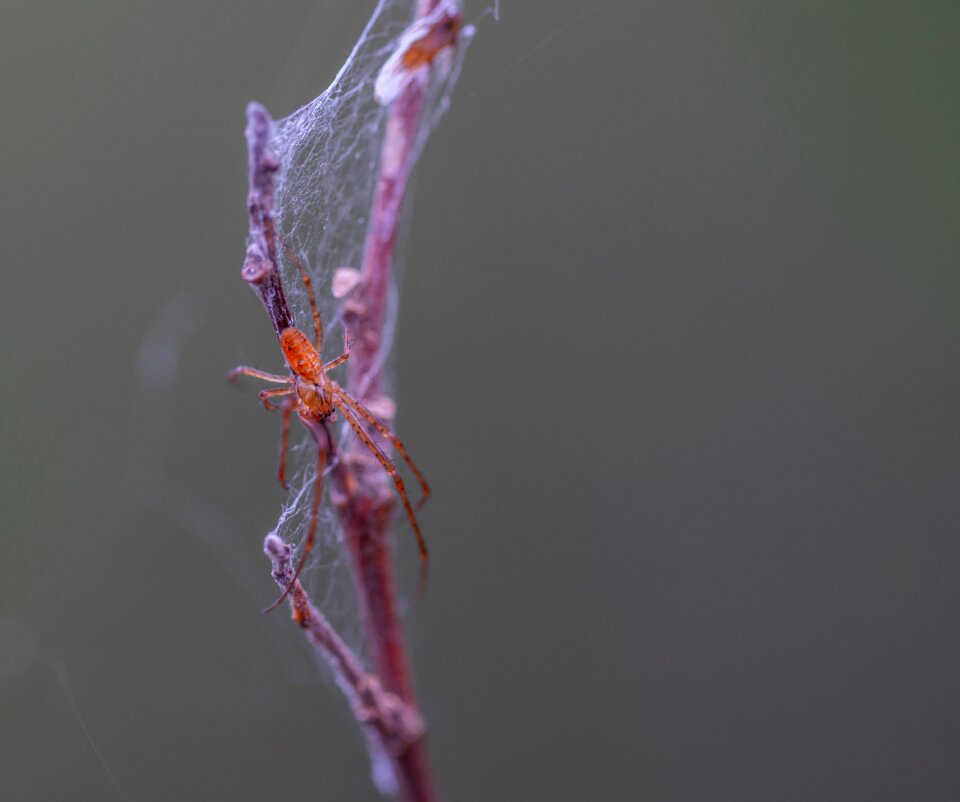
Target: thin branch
{"x":366,"y":507}
{"x":395,"y":722}
{"x":366,"y":312}
{"x":260,"y":268}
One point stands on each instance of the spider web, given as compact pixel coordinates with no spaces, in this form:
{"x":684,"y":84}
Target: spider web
{"x":329,"y":153}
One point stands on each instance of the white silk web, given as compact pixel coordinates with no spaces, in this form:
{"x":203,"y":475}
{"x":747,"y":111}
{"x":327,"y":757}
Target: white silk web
{"x":329,"y":152}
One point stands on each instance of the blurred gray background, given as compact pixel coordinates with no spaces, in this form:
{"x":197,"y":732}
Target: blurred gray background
{"x":677,"y":348}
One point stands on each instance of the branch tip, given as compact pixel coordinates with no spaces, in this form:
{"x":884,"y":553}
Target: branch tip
{"x":281,"y":555}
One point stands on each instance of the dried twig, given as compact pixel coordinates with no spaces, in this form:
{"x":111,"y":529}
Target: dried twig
{"x":260,"y":266}
{"x":395,"y":723}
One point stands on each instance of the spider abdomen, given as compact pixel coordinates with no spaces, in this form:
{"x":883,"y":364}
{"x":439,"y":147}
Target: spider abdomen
{"x":301,"y":355}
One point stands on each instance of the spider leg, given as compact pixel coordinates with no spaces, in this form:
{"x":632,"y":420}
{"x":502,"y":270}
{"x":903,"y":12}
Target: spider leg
{"x":284,"y":439}
{"x":389,"y":467}
{"x":312,"y":530}
{"x":266,"y":395}
{"x":344,"y":356}
{"x":317,"y":325}
{"x":381,"y":427}
{"x":243,"y":370}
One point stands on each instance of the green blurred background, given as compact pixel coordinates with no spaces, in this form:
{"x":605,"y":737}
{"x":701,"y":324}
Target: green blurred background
{"x":677,"y":348}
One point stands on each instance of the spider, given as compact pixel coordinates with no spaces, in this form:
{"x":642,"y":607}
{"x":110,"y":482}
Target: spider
{"x":424,"y":41}
{"x":315,"y":396}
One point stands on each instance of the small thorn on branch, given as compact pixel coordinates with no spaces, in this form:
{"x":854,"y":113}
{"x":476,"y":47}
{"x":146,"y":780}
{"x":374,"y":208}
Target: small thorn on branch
{"x":345,"y":280}
{"x":255,"y":269}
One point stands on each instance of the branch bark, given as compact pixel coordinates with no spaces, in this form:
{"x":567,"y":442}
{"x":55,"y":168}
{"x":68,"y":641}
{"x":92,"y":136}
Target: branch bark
{"x":366,"y":508}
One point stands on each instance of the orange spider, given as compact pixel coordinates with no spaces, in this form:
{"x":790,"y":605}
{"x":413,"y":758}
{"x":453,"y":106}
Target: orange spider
{"x":424,"y":41}
{"x":315,"y":396}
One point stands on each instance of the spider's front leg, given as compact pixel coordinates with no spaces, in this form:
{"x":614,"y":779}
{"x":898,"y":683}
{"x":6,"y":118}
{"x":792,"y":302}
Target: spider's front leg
{"x":244,"y":370}
{"x":266,"y":395}
{"x":287,"y":406}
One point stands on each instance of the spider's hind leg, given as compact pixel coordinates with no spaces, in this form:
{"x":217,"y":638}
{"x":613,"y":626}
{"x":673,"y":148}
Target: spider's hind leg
{"x":388,"y":466}
{"x":287,"y":408}
{"x":322,"y":454}
{"x":308,"y":286}
{"x":388,"y":434}
{"x":344,"y":356}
